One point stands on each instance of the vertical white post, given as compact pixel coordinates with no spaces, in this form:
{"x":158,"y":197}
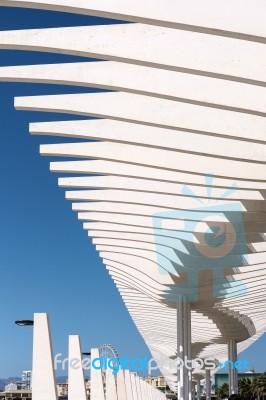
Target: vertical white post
{"x":151,"y":391}
{"x":76,"y":380}
{"x":188,"y":350}
{"x":43,"y":374}
{"x":143,"y":391}
{"x":145,"y":387}
{"x":208,"y":384}
{"x":110,"y":389}
{"x":184,"y":348}
{"x":97,"y":390}
{"x":134,"y":386}
{"x":193,"y":391}
{"x":121,"y":386}
{"x":139,"y":391}
{"x":146,"y":390}
{"x":232,"y":371}
{"x":198,"y":389}
{"x":128,"y":385}
{"x":180,"y":350}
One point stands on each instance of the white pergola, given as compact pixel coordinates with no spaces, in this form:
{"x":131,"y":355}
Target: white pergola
{"x":173,"y":158}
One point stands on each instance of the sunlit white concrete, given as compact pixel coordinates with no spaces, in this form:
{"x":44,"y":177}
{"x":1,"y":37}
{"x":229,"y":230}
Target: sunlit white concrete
{"x":177,"y":118}
{"x":97,"y":388}
{"x":76,"y":380}
{"x":43,"y":374}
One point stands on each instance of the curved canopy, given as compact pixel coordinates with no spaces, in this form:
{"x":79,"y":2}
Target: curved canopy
{"x":171,"y":162}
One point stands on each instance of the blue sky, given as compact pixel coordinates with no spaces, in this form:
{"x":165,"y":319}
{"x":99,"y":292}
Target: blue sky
{"x":48,"y":263}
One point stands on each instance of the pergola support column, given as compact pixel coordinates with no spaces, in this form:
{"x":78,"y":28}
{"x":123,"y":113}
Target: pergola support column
{"x":198,"y":389}
{"x":208,"y":384}
{"x":232,"y":371}
{"x":184,"y":348}
{"x":193,"y":391}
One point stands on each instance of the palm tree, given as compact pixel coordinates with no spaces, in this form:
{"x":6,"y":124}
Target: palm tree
{"x":249,"y":389}
{"x":223,"y":391}
{"x":255,"y":389}
{"x":246,"y":388}
{"x":260,"y":385}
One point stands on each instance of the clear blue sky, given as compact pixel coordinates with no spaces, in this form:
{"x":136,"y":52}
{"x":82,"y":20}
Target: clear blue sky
{"x":47,"y":262}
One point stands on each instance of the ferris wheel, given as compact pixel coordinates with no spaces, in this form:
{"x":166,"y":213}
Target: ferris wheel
{"x":107,"y":351}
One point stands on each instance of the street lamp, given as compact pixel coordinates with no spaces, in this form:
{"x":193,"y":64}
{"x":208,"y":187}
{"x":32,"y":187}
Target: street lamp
{"x":26,"y":322}
{"x":43,"y":372}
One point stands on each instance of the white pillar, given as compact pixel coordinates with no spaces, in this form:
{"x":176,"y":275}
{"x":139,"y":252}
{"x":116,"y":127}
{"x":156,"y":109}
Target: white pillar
{"x":97,"y":390}
{"x":147,"y":390}
{"x":232,"y":372}
{"x":198,"y":389}
{"x":180,"y":350}
{"x":193,"y":391}
{"x":184,"y":348}
{"x":128,"y":385}
{"x":121,"y":386}
{"x":188,"y":351}
{"x":139,"y":389}
{"x":110,"y":388}
{"x":150,"y":391}
{"x":43,"y":374}
{"x":76,"y":380}
{"x":142,"y":388}
{"x":145,"y":386}
{"x":153,"y":392}
{"x":134,"y":386}
{"x":208,"y":384}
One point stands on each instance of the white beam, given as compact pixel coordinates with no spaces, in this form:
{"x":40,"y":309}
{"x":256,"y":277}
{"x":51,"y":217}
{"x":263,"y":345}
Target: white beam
{"x":104,"y":167}
{"x":149,"y":45}
{"x":147,"y":110}
{"x":174,"y":85}
{"x":209,"y":16}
